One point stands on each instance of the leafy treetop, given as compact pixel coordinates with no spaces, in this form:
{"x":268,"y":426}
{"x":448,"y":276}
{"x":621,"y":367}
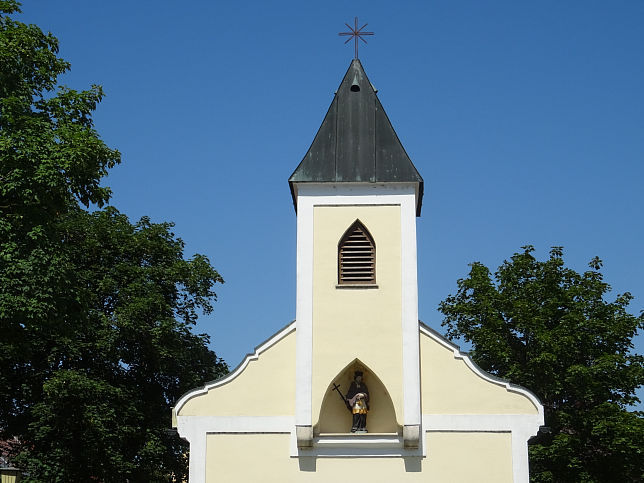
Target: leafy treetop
{"x":548,"y":328}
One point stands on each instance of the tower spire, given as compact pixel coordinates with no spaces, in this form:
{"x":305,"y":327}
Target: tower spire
{"x":356,"y":142}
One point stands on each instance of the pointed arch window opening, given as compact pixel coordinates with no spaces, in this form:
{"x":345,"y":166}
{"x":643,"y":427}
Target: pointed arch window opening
{"x":357,"y":257}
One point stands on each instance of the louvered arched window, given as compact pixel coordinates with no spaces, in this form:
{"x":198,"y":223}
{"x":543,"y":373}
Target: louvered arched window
{"x":357,"y":256}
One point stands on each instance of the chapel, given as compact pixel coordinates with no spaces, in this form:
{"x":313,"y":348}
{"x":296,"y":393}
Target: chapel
{"x":356,"y":387}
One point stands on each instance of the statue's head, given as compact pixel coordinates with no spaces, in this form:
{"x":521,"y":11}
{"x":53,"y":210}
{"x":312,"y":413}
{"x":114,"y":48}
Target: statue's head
{"x":357,"y":376}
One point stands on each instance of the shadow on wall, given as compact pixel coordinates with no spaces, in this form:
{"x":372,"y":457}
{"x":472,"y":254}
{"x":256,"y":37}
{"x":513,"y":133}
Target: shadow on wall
{"x":336,"y":418}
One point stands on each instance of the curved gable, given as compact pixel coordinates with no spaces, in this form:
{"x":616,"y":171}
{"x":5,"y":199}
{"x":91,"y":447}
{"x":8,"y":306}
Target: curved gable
{"x":453,"y":384}
{"x":262,"y":385}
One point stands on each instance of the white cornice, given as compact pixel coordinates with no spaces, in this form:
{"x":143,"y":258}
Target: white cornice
{"x":354,"y":189}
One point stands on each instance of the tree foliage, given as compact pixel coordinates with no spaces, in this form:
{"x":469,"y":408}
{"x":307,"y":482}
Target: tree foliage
{"x":550,"y":329}
{"x":96,"y":312}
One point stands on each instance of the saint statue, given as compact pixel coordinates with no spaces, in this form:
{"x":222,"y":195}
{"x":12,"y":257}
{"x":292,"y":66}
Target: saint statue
{"x":357,"y":400}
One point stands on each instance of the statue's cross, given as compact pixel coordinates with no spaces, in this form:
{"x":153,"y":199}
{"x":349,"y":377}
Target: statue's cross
{"x":355,"y":33}
{"x":336,"y":387}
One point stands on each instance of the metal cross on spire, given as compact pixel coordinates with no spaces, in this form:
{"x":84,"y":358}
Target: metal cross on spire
{"x":355,"y":33}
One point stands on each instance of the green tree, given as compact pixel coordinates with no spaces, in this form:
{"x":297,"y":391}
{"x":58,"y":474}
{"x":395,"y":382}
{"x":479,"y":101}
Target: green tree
{"x":125,"y":355}
{"x":96,"y":312}
{"x":551,"y":330}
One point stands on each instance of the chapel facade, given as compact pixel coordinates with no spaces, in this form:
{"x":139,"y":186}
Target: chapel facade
{"x":356,"y":386}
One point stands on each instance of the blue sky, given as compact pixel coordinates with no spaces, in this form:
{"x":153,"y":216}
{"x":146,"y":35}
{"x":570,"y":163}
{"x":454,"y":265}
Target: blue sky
{"x":526,"y":120}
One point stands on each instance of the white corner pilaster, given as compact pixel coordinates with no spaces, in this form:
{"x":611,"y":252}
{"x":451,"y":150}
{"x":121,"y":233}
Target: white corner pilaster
{"x":520,"y":462}
{"x":197,"y":438}
{"x":304,"y":312}
{"x":410,"y":333}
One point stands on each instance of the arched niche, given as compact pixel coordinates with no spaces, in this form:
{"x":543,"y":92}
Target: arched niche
{"x":336,"y":418}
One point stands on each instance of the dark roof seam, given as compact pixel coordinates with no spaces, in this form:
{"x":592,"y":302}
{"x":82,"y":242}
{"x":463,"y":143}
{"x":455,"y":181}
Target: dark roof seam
{"x":375,"y":138}
{"x":335,"y":137}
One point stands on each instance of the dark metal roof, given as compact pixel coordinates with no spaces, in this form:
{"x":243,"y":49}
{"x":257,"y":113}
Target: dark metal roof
{"x":356,"y":141}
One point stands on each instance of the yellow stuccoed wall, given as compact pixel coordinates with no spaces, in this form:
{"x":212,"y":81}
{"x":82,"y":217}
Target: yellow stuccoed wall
{"x":451,"y":457}
{"x":357,"y":323}
{"x":266,"y":387}
{"x":449,"y":386}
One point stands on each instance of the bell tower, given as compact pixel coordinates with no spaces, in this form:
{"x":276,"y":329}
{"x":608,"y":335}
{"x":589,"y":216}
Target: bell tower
{"x":357,"y":195}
